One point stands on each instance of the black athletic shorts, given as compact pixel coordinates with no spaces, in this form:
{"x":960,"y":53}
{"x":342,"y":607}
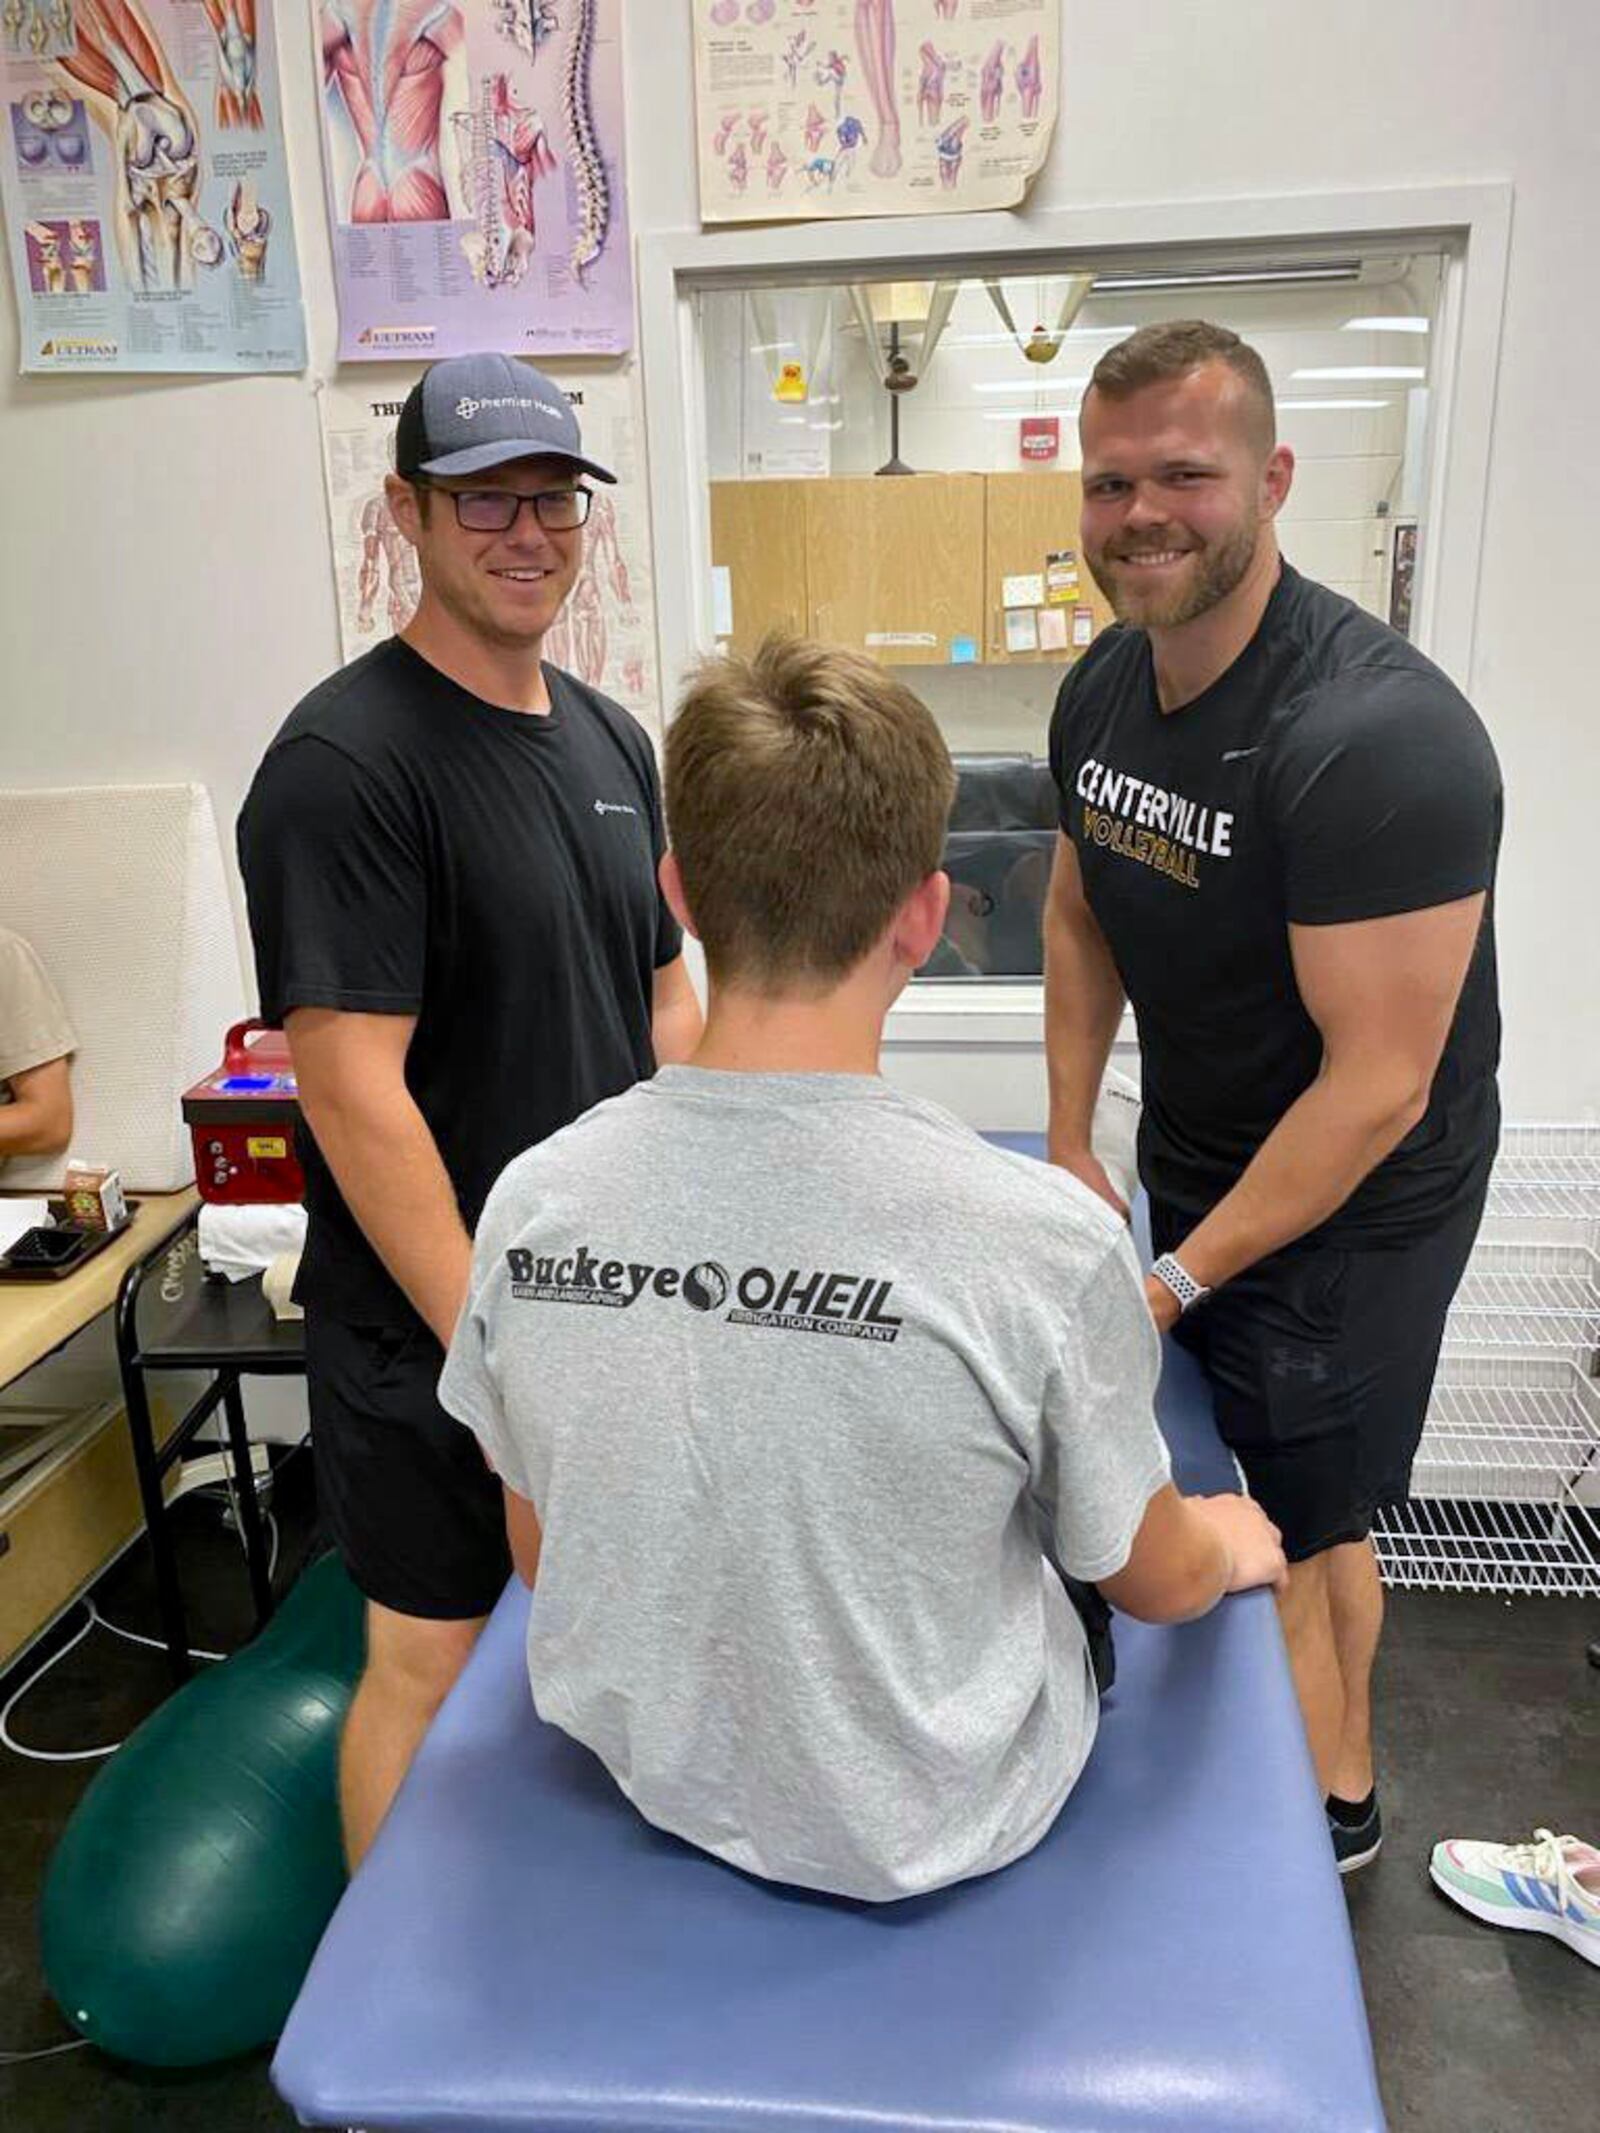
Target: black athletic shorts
{"x":1321,"y":1360}
{"x":403,"y":1489}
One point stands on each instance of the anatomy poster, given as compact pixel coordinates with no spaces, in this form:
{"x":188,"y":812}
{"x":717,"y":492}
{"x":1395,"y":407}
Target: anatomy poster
{"x":606,"y":634}
{"x":871,"y":107}
{"x":474,"y":160}
{"x":145,"y":189}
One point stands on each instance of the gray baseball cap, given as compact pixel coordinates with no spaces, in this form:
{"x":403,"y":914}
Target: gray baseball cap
{"x":472,"y":412}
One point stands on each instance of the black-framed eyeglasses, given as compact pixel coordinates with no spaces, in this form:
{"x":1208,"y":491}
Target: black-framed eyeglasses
{"x":496,"y":510}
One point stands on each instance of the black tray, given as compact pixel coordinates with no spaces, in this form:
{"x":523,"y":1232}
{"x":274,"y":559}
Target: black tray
{"x":89,"y":1241}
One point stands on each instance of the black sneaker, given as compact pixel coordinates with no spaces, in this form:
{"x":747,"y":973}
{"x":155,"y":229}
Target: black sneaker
{"x":1354,"y":1844}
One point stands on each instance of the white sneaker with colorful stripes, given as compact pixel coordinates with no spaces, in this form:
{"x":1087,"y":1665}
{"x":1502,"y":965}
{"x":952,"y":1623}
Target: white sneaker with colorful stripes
{"x":1549,"y":1886}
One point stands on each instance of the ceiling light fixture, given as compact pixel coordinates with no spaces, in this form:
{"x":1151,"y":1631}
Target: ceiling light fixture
{"x":1030,"y":385}
{"x":1225,"y":277}
{"x":1400,"y":372}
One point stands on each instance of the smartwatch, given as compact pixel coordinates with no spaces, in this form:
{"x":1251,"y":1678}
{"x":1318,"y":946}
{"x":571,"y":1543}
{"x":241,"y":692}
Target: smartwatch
{"x":1180,"y":1281}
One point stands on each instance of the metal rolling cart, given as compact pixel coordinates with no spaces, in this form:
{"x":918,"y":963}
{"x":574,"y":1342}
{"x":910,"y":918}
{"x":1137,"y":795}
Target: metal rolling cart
{"x":172,"y":1316}
{"x":1507,"y":1480}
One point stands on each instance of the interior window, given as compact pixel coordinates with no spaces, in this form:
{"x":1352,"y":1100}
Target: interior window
{"x":894,"y":466}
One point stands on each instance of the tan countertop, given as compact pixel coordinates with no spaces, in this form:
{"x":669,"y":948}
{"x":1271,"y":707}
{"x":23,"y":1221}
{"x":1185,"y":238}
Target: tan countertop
{"x":37,"y":1316}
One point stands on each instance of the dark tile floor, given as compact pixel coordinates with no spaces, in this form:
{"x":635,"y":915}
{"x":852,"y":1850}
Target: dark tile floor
{"x":99,"y":1692}
{"x":1489,"y":1723}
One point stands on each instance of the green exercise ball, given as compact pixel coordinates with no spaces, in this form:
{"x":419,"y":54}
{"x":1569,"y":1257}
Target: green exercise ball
{"x":189,"y":1890}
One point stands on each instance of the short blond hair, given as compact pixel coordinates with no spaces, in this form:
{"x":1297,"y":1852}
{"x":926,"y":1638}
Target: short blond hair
{"x":807,"y":795}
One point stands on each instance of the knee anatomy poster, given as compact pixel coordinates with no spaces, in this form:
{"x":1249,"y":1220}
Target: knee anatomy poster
{"x":145,"y":186}
{"x":818,"y":108}
{"x":473,"y":154}
{"x":606,"y":633}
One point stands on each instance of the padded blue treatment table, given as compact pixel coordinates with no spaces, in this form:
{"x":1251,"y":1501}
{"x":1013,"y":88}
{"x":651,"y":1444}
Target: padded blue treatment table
{"x":521,"y":1949}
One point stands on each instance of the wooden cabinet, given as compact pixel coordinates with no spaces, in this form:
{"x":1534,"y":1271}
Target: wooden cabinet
{"x":896,"y":564}
{"x":1029,"y":517}
{"x":758,"y":535}
{"x":64,"y":1519}
{"x":65,"y":1516}
{"x":899,"y":566}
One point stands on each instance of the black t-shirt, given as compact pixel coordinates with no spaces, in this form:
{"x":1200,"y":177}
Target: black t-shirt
{"x":408,"y":849}
{"x":1332,"y":774}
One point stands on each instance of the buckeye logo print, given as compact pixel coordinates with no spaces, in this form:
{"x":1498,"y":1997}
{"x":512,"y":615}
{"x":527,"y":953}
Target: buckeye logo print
{"x":797,"y":1300}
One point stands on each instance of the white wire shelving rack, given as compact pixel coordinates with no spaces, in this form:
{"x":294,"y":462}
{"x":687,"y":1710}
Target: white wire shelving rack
{"x":1546,"y":1185}
{"x":1506,"y":1487}
{"x":1527,"y":1296}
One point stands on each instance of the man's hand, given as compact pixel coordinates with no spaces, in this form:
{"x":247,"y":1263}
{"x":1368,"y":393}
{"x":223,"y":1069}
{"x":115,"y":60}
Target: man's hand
{"x":1164,"y":1306}
{"x":353,"y":1095}
{"x":1189,"y":1551}
{"x":1253,"y":1542}
{"x":1087,"y":1168}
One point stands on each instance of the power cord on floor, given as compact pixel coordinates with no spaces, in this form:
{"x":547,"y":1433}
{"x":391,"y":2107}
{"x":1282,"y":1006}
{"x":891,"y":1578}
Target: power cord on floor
{"x":41,"y":1755}
{"x":48,"y":2051}
{"x":92,"y":1618}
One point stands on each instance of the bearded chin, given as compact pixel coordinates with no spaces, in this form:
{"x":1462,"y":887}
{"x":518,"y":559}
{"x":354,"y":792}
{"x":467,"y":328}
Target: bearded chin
{"x":1221,"y":566}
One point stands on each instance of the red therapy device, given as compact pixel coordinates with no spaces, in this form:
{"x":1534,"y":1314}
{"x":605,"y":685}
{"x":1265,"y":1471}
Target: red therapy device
{"x":241,"y":1119}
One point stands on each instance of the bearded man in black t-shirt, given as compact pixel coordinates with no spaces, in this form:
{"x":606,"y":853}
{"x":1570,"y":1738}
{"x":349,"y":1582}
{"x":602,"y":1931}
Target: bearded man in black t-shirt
{"x":1279,"y":828}
{"x":449,"y":854}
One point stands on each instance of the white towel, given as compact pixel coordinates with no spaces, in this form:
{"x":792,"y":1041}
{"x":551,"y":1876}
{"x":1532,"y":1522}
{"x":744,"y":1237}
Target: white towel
{"x":241,"y":1241}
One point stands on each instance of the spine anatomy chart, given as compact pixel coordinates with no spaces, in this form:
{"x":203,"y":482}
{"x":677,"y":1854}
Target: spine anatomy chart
{"x":606,"y":631}
{"x":473,"y":148}
{"x":145,"y":187}
{"x":871,"y":107}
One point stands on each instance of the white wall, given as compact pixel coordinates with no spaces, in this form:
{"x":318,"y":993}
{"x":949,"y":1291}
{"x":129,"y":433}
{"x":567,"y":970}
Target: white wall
{"x":165,"y":590}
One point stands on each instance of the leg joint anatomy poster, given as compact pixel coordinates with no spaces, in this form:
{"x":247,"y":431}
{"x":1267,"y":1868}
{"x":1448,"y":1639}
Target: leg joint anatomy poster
{"x":818,"y":108}
{"x":146,"y":188}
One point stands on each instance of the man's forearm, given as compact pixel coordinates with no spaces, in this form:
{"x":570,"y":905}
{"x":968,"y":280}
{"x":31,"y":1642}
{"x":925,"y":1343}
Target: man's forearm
{"x":24,"y":1132}
{"x":1308,"y":1166}
{"x":33,"y":1127}
{"x":1083,"y":1000}
{"x":389,"y":1170}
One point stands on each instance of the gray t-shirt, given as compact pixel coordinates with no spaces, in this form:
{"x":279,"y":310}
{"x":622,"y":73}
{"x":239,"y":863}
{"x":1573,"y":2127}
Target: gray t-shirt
{"x":809,"y":1386}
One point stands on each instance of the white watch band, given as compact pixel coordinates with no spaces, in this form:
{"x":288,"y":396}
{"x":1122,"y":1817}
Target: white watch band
{"x":1176,"y":1277}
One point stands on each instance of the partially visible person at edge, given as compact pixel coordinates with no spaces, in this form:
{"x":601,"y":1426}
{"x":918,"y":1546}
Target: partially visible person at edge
{"x":37,"y":1042}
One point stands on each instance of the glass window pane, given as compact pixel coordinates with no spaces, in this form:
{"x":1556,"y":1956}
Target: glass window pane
{"x":894,"y":466}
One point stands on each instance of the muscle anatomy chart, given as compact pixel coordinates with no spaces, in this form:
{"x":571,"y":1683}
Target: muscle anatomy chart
{"x":473,"y":152}
{"x":145,"y":188}
{"x":871,"y":107}
{"x":606,"y":634}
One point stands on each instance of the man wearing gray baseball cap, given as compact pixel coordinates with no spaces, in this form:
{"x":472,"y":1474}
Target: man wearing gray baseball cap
{"x":449,"y":854}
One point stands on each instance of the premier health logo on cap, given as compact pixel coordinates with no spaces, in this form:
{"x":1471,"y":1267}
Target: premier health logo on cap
{"x":466,"y":408}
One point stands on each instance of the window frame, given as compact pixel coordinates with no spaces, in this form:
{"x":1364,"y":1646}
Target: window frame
{"x":1469,"y":224}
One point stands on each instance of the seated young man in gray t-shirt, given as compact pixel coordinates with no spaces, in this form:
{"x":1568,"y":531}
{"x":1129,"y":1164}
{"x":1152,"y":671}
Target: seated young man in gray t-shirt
{"x":803,"y":1396}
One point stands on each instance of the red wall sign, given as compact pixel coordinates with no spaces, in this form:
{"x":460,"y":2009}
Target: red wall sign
{"x":1041,"y":437}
